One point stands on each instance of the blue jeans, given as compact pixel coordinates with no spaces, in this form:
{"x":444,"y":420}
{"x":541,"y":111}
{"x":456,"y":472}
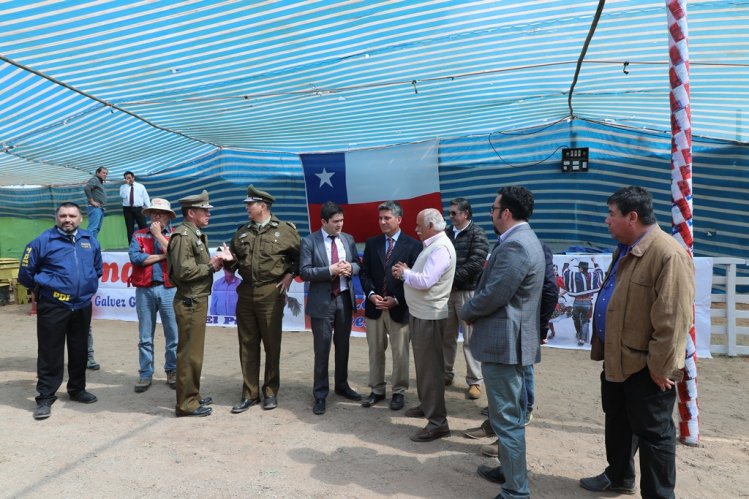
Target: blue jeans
{"x":506,"y":396}
{"x":529,"y":388}
{"x":147,"y":302}
{"x":95,"y":220}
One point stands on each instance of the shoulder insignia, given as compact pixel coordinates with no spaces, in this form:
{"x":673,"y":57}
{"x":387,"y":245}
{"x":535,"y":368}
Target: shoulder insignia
{"x":291,"y":224}
{"x":243,"y":234}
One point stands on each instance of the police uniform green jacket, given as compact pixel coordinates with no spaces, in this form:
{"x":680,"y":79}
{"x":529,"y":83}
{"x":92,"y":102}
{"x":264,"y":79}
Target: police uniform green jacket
{"x":189,"y":262}
{"x":265,"y":254}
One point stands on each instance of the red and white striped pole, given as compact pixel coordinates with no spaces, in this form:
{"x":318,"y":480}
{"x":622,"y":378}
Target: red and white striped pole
{"x":681,"y":197}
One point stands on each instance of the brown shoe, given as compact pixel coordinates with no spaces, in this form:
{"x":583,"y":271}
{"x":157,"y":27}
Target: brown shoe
{"x":483,"y":431}
{"x":142,"y":385}
{"x":429,"y":434}
{"x":171,"y":379}
{"x":473,"y":392}
{"x":414,"y":412}
{"x":490,"y":450}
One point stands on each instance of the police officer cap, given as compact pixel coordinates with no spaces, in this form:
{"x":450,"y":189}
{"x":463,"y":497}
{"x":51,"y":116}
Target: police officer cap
{"x":255,"y":194}
{"x":196,"y":201}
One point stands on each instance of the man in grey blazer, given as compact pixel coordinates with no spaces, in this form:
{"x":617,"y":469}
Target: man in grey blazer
{"x":328,"y":259}
{"x":504,"y":312}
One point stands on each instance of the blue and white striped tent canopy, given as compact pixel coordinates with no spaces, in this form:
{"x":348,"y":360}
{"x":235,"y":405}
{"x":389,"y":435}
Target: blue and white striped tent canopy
{"x":222,"y":93}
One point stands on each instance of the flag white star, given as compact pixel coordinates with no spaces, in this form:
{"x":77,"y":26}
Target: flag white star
{"x":324,"y":177}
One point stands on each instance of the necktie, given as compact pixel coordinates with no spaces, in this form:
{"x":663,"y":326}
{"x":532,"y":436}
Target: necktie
{"x":132,"y":195}
{"x":388,"y":255}
{"x":335,"y":286}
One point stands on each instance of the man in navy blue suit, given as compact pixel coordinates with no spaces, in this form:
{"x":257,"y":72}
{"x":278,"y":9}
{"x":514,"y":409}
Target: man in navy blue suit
{"x":386,"y":310}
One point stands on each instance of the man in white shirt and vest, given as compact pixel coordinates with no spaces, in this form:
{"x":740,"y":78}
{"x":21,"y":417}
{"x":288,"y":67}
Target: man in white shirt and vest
{"x":134,"y":200}
{"x":427,"y":289}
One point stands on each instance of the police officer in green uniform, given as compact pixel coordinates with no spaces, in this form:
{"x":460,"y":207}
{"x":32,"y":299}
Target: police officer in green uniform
{"x":191,"y":269}
{"x":266,"y":251}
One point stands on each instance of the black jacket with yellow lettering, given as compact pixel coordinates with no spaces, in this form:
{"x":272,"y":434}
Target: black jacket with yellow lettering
{"x":62,"y":270}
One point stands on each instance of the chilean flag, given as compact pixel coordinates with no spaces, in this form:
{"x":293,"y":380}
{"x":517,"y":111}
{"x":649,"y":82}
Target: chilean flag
{"x":360,"y":180}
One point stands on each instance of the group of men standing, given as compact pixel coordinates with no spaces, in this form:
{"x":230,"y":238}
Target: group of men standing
{"x":416,"y":294}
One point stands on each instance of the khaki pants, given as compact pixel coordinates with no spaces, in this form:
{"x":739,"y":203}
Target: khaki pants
{"x":450,"y":344}
{"x":378,"y":332}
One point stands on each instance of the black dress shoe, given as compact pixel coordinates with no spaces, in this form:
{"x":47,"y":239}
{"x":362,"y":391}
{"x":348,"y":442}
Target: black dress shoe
{"x":372,"y":399}
{"x":206,"y":401}
{"x":270,"y":402}
{"x":42,"y":411}
{"x":244,"y":404}
{"x":348,"y":392}
{"x":493,"y":474}
{"x":429,"y":434}
{"x":200,"y":412}
{"x":83,"y":397}
{"x":319,"y":407}
{"x":601,"y":483}
{"x":396,"y":403}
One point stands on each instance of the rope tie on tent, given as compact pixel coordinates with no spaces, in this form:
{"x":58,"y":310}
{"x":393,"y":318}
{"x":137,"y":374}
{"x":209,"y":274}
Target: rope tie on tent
{"x":681,"y":198}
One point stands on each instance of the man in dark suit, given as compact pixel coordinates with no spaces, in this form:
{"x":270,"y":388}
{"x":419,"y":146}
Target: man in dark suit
{"x":328,"y":259}
{"x":505,"y":313}
{"x":386,"y":310}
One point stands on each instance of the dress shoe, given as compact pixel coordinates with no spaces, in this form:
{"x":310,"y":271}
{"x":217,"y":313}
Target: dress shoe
{"x":490,"y":450}
{"x":83,"y":397}
{"x":348,"y":392}
{"x":483,"y":431}
{"x":485,"y":411}
{"x":372,"y":399}
{"x":428,"y":434}
{"x":414,"y":412}
{"x":244,"y":404}
{"x":473,"y":392}
{"x":171,"y":379}
{"x":142,"y":385}
{"x":448,"y":381}
{"x":42,"y":411}
{"x":200,"y":412}
{"x":206,"y":401}
{"x":396,"y":403}
{"x":270,"y":402}
{"x":493,"y":474}
{"x":92,"y":364}
{"x":319,"y":407}
{"x":601,"y":483}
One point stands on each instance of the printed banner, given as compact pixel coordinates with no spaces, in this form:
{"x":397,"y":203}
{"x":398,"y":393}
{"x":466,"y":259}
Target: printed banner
{"x":580,"y":277}
{"x":115,"y":300}
{"x":569,"y":326}
{"x":360,"y":180}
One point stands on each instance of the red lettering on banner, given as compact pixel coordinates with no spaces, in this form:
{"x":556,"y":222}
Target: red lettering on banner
{"x":110,"y":270}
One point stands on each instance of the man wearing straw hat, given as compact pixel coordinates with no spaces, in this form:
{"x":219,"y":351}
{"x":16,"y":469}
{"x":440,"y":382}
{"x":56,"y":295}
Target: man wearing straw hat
{"x":154,"y":292}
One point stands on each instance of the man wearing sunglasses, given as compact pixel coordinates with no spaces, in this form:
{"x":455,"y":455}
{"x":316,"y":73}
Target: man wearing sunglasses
{"x":471,"y":248}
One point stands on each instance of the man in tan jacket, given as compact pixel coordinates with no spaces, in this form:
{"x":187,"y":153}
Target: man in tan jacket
{"x":641,"y":320}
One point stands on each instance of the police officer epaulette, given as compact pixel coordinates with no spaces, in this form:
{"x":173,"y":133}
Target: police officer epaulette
{"x":291,"y":225}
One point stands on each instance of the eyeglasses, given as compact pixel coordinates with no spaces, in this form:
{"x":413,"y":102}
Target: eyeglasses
{"x":493,"y":208}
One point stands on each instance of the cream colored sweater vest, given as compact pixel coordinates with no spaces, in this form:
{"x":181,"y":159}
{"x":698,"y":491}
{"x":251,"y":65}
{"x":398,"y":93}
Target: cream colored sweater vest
{"x":431,"y":304}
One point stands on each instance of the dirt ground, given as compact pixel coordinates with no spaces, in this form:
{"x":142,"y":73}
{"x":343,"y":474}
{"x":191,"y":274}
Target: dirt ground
{"x":131,"y":445}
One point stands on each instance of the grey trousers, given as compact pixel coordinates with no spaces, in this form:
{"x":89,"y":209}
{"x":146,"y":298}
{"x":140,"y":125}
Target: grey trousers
{"x":426,"y":338}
